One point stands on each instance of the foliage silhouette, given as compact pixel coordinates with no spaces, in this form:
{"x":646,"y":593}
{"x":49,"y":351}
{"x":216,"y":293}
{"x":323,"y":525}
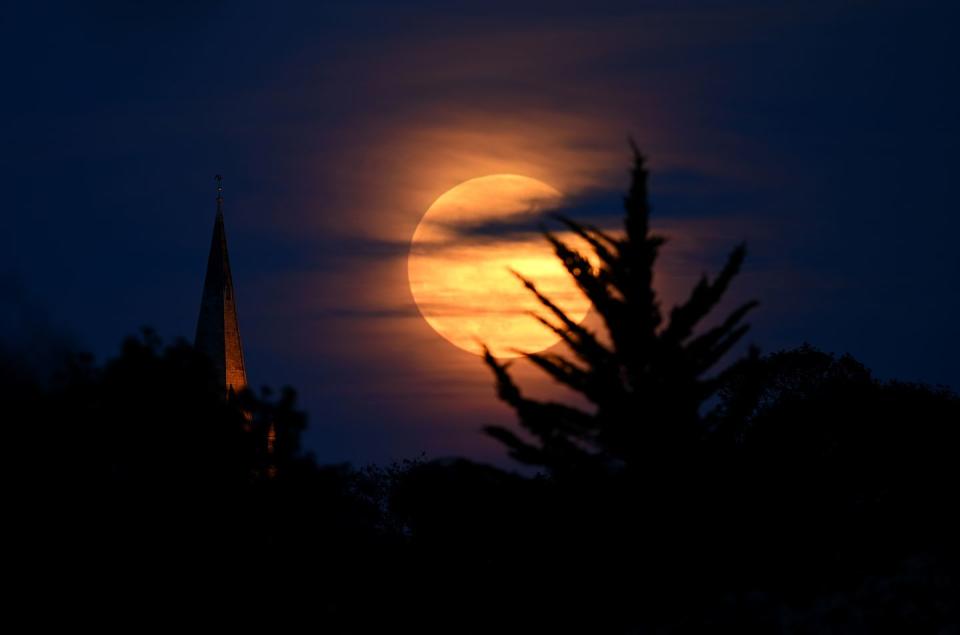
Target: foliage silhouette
{"x":142,"y":473}
{"x":777,"y":483}
{"x":812,"y":497}
{"x":649,"y":384}
{"x":831,"y":509}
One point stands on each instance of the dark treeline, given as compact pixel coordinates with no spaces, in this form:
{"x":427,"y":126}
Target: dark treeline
{"x":790,"y":492}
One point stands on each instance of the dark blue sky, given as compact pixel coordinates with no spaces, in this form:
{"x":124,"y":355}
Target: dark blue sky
{"x":823,"y":133}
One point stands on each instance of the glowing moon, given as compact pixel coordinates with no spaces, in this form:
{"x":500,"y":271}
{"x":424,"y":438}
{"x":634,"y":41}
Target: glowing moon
{"x":460,"y":261}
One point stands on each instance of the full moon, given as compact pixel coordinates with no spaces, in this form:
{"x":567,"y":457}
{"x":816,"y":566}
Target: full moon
{"x":462,"y":255}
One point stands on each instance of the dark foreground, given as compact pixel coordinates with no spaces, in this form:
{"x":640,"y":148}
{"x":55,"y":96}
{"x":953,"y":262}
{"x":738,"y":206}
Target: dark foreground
{"x":149,"y":499}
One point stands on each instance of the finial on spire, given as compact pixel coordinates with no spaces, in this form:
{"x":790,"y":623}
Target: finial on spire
{"x":219,"y":192}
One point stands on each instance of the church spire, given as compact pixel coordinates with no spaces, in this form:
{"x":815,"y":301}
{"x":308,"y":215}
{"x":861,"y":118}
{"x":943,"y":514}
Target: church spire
{"x":218,"y":330}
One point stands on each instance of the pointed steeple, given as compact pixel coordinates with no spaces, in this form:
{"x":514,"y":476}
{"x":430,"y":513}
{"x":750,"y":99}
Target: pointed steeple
{"x":218,"y":330}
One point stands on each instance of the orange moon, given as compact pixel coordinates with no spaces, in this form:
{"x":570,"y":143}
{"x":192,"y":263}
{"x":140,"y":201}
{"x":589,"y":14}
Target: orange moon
{"x":461,"y":258}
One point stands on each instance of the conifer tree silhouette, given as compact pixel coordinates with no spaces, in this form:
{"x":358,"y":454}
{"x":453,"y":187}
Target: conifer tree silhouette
{"x":648,"y":381}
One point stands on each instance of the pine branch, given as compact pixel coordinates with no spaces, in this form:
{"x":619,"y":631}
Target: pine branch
{"x":699,"y":348}
{"x":704,"y":297}
{"x":600,"y":245}
{"x":636,"y":202}
{"x":576,"y":378}
{"x":518,"y":449}
{"x":579,"y":338}
{"x":582,"y":272}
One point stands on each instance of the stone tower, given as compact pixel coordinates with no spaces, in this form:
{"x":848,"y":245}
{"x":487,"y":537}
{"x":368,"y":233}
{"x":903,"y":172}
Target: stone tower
{"x":218,"y":330}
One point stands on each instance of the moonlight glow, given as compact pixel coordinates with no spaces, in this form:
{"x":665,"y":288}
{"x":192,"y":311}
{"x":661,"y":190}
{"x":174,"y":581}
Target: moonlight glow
{"x":461,"y":259}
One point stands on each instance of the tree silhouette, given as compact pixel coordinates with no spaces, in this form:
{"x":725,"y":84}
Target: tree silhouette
{"x":139,"y":469}
{"x":648,"y":381}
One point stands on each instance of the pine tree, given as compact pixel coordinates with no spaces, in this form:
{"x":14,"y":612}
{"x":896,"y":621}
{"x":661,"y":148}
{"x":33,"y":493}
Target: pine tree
{"x":649,"y":380}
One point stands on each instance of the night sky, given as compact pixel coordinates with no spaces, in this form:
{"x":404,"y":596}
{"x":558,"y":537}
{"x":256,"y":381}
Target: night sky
{"x":824,"y":134}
